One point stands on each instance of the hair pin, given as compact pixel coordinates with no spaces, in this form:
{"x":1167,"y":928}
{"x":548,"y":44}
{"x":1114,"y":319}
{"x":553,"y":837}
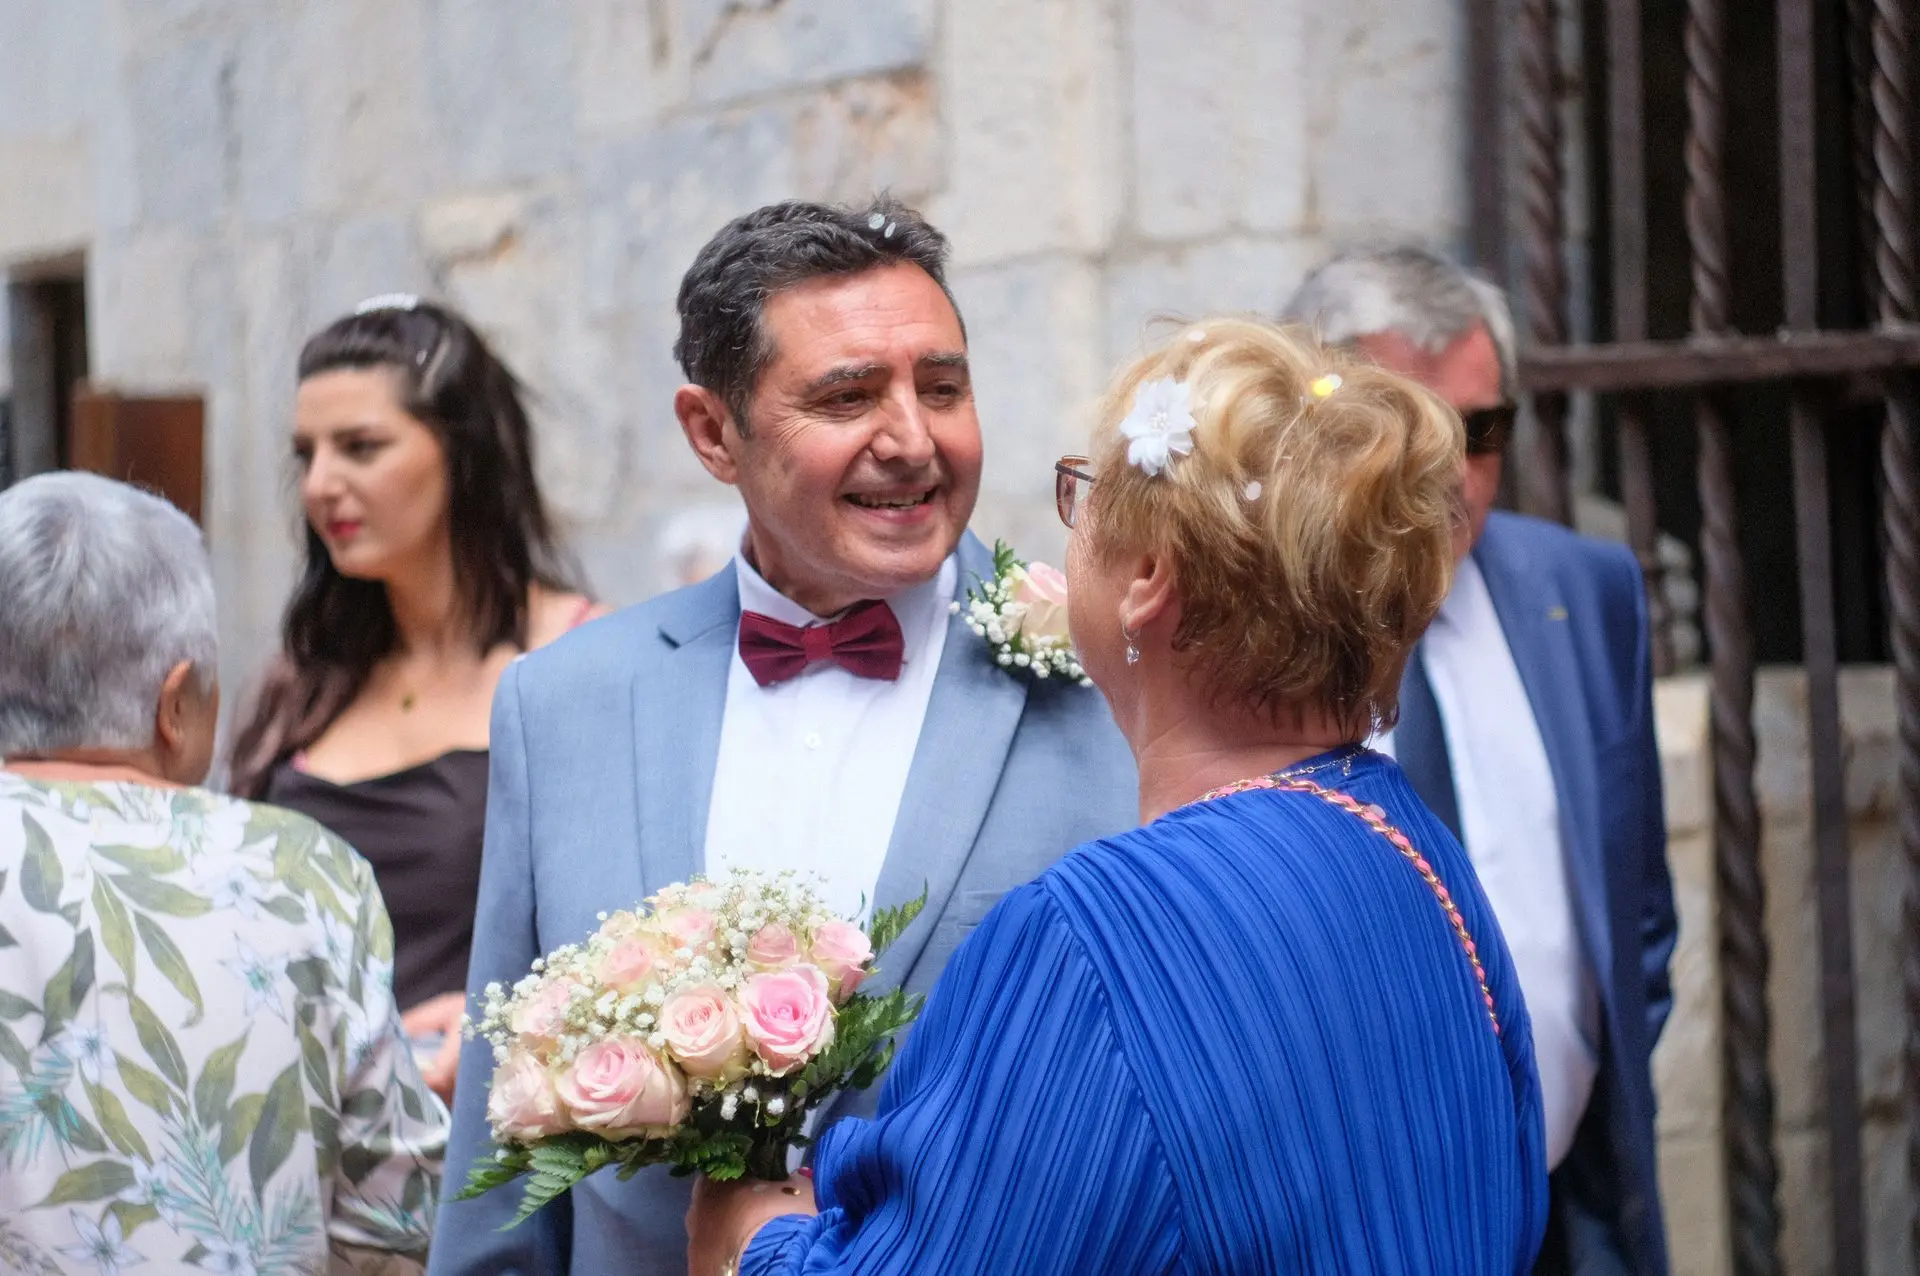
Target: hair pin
{"x":388,"y":301}
{"x":1321,"y":388}
{"x":1252,"y":490}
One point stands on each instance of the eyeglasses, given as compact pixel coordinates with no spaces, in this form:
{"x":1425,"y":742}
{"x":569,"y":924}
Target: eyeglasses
{"x":1488,"y":429}
{"x":1069,"y":474}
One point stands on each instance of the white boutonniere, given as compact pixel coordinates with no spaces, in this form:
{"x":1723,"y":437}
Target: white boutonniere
{"x":1022,"y":615}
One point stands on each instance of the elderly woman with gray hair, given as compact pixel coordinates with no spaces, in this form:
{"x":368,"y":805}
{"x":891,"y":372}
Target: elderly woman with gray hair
{"x":200,"y":1059}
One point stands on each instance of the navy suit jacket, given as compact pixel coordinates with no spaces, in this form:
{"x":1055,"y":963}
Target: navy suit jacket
{"x":1575,"y":616}
{"x":604,"y":746}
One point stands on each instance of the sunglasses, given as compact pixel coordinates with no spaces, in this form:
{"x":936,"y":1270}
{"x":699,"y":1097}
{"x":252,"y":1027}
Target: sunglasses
{"x":1488,"y":429}
{"x":1070,"y":479}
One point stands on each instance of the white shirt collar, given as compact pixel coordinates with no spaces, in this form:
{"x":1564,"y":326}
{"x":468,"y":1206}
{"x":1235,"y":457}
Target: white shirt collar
{"x":918,"y":609}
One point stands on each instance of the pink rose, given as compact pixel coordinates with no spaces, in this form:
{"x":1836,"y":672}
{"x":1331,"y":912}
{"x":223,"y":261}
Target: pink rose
{"x":703,"y":1033}
{"x":521,"y":1102}
{"x":684,"y":927}
{"x":543,"y":1016}
{"x":788,"y":1015}
{"x":842,"y":952}
{"x":617,"y":1088}
{"x":1042,"y":590}
{"x":773,"y":947}
{"x":628,"y":968}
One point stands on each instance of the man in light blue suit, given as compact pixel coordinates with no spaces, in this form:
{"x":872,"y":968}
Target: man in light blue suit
{"x":815,"y":705}
{"x":1526,"y":723}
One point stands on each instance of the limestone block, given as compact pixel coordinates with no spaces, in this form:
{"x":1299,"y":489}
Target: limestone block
{"x":1687,"y":1059}
{"x":1682,"y":729}
{"x":1034,"y":374}
{"x":696,"y":540}
{"x":1383,"y":107}
{"x":1236,"y":275}
{"x":365,"y":72}
{"x":272,"y":140}
{"x":626,"y":76}
{"x":1805,"y":1220}
{"x":1890,"y":1199}
{"x":1219,"y":115}
{"x":863,"y":136}
{"x":1879,"y":890}
{"x":1693,"y":1197}
{"x":519,"y":292}
{"x":48,"y":63}
{"x":48,"y":208}
{"x":1030,"y":96}
{"x":499,"y":77}
{"x":1868,"y":737}
{"x":470,"y":228}
{"x":140,"y":308}
{"x":748,"y":48}
{"x":181,"y":95}
{"x":363,"y":256}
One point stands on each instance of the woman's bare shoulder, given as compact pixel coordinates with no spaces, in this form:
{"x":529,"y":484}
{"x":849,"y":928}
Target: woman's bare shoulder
{"x":554,"y":612}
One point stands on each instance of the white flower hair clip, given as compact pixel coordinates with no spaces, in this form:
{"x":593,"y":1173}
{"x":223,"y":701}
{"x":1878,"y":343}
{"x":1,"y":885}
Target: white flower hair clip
{"x":1160,"y":426}
{"x":388,"y":301}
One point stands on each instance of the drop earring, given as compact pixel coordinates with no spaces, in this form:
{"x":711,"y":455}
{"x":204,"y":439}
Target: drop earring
{"x":1133,"y":646}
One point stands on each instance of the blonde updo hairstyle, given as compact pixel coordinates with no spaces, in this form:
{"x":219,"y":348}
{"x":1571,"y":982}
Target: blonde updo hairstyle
{"x":1309,"y":589}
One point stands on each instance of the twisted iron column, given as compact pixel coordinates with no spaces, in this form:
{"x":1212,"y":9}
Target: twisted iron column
{"x":1536,"y":67}
{"x":1752,"y":1173}
{"x":1893,"y":214}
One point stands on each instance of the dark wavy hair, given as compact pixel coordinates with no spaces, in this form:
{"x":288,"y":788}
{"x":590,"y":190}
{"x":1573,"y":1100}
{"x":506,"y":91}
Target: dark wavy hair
{"x":723,"y":343}
{"x":336,"y":628}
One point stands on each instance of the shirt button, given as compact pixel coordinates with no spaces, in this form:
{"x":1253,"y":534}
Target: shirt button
{"x":813,"y":740}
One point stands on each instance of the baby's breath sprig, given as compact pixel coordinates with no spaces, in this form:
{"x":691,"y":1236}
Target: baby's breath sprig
{"x":995,"y":615}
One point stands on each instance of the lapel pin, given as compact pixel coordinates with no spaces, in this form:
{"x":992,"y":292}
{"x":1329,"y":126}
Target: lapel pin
{"x":1556,"y":613}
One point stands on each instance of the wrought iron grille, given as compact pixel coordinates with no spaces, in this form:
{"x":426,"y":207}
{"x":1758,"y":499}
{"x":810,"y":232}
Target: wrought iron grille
{"x":1826,"y":113}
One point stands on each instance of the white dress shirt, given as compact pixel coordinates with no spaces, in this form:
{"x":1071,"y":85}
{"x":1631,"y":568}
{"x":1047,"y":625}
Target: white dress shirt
{"x":811,"y":770}
{"x":1510,"y":822}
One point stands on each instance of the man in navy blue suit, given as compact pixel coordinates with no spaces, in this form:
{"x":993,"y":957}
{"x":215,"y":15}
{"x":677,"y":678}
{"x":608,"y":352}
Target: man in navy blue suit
{"x":1527,"y":725}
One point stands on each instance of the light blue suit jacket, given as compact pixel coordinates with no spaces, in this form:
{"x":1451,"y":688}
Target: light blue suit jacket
{"x":604,"y":747}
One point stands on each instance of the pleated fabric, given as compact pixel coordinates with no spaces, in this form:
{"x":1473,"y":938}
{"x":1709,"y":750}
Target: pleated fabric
{"x":1243,"y":1039}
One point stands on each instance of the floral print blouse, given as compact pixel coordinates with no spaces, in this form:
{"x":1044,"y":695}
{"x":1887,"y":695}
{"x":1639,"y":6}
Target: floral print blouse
{"x":201,"y":1066}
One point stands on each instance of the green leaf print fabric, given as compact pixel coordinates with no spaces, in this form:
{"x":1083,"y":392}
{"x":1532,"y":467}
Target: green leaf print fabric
{"x":201,"y":1066}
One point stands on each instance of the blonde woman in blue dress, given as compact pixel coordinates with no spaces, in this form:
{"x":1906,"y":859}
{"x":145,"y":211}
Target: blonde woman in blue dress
{"x":1275,"y":1029}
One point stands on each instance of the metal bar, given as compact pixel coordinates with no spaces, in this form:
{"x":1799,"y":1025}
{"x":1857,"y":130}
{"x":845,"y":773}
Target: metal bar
{"x":1543,"y":238}
{"x":1833,"y":890}
{"x":1859,"y":41}
{"x":1486,"y":139}
{"x":1627,"y":199}
{"x":1707,"y":360}
{"x":1752,"y":1174}
{"x":1893,"y":220}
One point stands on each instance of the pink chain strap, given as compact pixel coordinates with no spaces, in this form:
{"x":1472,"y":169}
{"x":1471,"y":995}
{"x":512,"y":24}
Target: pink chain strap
{"x":1377,"y":820}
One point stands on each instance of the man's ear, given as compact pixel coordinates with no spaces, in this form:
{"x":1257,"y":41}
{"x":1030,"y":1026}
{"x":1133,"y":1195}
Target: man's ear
{"x":710,"y":430}
{"x":172,"y":715}
{"x":1150,"y":597}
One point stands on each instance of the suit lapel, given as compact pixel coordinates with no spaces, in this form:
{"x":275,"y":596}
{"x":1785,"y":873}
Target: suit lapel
{"x":1539,"y":630}
{"x":971,"y":718}
{"x":676,"y":718}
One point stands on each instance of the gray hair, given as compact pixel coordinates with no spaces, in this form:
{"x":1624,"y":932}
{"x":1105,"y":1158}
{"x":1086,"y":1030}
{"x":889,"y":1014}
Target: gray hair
{"x":1407,"y":291}
{"x":107,"y":589}
{"x":722,"y":344}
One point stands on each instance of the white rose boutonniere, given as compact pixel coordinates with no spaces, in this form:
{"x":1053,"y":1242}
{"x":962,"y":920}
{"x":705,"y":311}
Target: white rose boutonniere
{"x":1022,"y":615}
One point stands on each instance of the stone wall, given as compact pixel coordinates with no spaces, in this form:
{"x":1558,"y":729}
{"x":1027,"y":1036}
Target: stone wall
{"x":1687,"y":1065}
{"x":238,"y":172}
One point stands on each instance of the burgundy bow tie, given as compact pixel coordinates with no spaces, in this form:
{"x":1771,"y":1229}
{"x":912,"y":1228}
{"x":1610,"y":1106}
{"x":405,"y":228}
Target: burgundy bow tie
{"x":866,"y":642}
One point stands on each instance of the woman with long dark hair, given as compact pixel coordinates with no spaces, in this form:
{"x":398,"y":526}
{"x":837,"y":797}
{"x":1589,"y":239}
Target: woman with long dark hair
{"x":430,"y":564}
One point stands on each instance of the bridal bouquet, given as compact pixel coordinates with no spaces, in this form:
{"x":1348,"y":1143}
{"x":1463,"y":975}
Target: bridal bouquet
{"x":695,"y":1032}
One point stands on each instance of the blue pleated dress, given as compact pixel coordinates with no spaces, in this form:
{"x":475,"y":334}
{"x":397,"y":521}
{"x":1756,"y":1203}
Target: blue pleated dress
{"x":1246,"y":1038}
